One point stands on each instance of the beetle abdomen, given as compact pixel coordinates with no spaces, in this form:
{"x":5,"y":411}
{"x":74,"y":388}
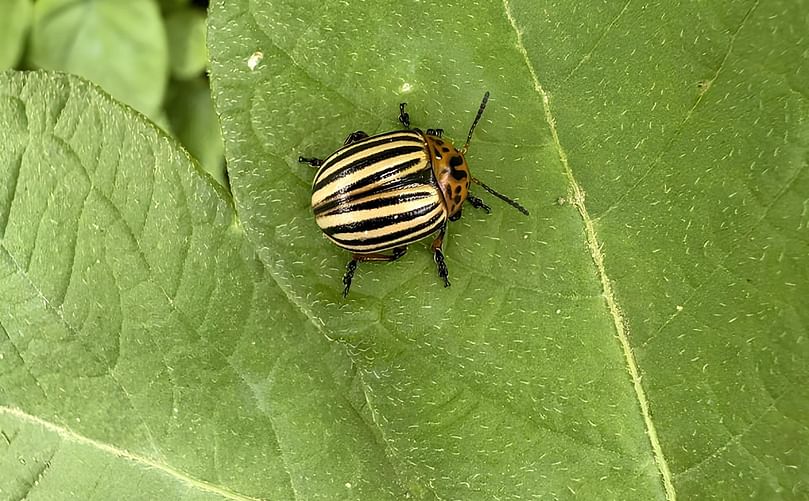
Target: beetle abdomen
{"x":378,"y":193}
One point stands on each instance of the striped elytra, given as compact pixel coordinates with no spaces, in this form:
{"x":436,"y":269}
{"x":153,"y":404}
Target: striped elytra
{"x":378,"y":193}
{"x":381,"y":193}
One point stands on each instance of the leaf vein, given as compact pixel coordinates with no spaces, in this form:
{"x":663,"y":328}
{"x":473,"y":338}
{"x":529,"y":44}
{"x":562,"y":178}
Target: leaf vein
{"x":734,"y":439}
{"x":5,"y":214}
{"x":685,"y":120}
{"x":272,"y":265}
{"x":720,"y":266}
{"x":184,"y":320}
{"x":598,"y":259}
{"x":271,"y":418}
{"x":601,"y":38}
{"x":71,"y":436}
{"x":39,"y":473}
{"x":22,"y":359}
{"x":61,"y":316}
{"x":187,"y":231}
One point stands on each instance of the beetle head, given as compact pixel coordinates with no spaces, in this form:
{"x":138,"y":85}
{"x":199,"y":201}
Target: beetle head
{"x":452,"y":172}
{"x":450,"y":167}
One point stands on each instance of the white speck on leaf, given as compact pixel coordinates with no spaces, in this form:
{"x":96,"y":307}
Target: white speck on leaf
{"x":254,"y":59}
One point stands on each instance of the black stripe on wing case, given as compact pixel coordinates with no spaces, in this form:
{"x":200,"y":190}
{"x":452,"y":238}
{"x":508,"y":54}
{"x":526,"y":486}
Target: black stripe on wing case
{"x":375,"y":223}
{"x":372,"y":142}
{"x":394,"y":198}
{"x":364,"y":163}
{"x":424,"y":228}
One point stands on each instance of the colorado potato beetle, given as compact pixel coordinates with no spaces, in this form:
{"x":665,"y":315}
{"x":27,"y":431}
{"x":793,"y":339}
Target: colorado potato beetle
{"x":381,"y":193}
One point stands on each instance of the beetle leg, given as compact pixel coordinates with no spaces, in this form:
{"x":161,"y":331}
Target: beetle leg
{"x":435,"y":132}
{"x":350,"y":269}
{"x":479,"y":204}
{"x":356,"y":258}
{"x":404,"y":117}
{"x":355,"y":136}
{"x":439,"y":257}
{"x":314,"y":162}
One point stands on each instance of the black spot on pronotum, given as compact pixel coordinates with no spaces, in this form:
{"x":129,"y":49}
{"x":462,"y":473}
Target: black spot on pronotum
{"x":457,"y":190}
{"x":458,"y":174}
{"x":445,"y":149}
{"x":454,"y":162}
{"x":457,"y":199}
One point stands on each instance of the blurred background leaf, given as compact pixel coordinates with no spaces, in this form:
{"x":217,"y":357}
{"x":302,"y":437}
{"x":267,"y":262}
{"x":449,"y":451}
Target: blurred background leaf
{"x":14,"y":23}
{"x":192,"y":118}
{"x":148,"y":54}
{"x":119,"y":45}
{"x":186,"y":30}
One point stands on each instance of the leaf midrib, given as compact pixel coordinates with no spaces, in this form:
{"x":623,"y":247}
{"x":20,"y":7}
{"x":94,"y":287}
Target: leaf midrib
{"x":71,"y":436}
{"x":597,"y":256}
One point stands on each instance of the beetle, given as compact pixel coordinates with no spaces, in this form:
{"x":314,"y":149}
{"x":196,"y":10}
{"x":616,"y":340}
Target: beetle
{"x":383,"y":192}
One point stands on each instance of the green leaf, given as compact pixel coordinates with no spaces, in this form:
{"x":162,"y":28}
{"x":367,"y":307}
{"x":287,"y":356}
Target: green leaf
{"x":145,"y":353}
{"x":644,"y":333}
{"x":172,"y":5}
{"x":14,"y":24}
{"x":186,"y":38}
{"x":196,"y":125}
{"x":118,"y":45}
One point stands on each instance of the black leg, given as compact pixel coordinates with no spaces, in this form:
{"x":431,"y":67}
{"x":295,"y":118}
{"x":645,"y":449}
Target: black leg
{"x":314,"y":162}
{"x":355,"y":136}
{"x":435,"y":132}
{"x":356,"y":258}
{"x":350,"y":269}
{"x":443,"y":272}
{"x":404,"y":117}
{"x":398,"y":252}
{"x":479,"y":204}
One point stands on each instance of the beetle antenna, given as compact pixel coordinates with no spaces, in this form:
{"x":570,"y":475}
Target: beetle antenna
{"x":501,"y":196}
{"x":475,"y":123}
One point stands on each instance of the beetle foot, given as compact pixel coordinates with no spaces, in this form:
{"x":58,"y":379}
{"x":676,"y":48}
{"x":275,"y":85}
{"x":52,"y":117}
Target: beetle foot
{"x":443,"y":272}
{"x":404,"y":117}
{"x":314,"y":162}
{"x":355,"y":136}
